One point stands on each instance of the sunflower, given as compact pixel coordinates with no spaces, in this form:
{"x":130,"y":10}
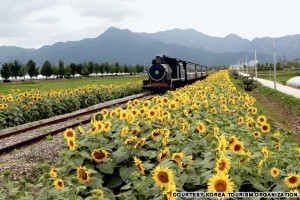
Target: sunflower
{"x":72,"y":144}
{"x":140,"y":143}
{"x":123,"y":115}
{"x":238,"y":147}
{"x":130,"y":140}
{"x":240,"y":120}
{"x":69,"y":134}
{"x":232,"y":140}
{"x":245,"y":157}
{"x":136,"y":102}
{"x":124,"y":131}
{"x":184,"y":127}
{"x":216,"y":131}
{"x":146,"y":104}
{"x":213,"y":111}
{"x":135,"y":112}
{"x":99,"y":155}
{"x":104,"y":112}
{"x":83,"y":175}
{"x":139,"y":165}
{"x":220,"y":183}
{"x":165,"y":100}
{"x":201,"y":127}
{"x":53,"y":172}
{"x":107,"y":126}
{"x":274,"y":172}
{"x":59,"y":184}
{"x":80,"y":129}
{"x":165,"y":141}
{"x":292,"y":180}
{"x":265,"y":128}
{"x":163,"y":177}
{"x":265,"y":152}
{"x":177,"y":157}
{"x":98,"y":193}
{"x":261,"y":119}
{"x":163,"y":154}
{"x":256,"y":134}
{"x":151,"y":113}
{"x":223,"y":165}
{"x":156,"y":133}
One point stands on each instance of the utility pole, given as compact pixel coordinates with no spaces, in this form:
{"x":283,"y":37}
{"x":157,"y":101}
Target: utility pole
{"x":255,"y":65}
{"x":274,"y":56}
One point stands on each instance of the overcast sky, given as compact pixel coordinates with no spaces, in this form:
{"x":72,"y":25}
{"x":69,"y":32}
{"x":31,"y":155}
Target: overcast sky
{"x":34,"y":23}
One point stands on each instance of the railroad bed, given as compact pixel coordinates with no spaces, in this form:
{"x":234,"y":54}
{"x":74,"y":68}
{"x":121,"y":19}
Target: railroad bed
{"x":26,"y":134}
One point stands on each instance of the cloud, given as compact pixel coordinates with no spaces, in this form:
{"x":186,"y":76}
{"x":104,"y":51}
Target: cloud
{"x":30,"y":22}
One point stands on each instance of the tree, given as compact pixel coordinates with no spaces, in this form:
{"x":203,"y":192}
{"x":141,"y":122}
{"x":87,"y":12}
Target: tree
{"x":31,"y":67}
{"x":61,"y":68}
{"x":117,"y":67}
{"x":5,"y":71}
{"x":73,"y":69}
{"x":68,"y":72}
{"x":90,"y":67}
{"x":101,"y":68}
{"x":97,"y":68}
{"x":23,"y":71}
{"x":106,"y":67}
{"x":15,"y":68}
{"x":79,"y":69}
{"x":46,"y":69}
{"x":36,"y":72}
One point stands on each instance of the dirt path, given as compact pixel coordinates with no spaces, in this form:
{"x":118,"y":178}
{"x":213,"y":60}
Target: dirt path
{"x":282,"y":116}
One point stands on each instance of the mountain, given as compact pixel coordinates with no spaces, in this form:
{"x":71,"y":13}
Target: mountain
{"x":126,"y":47}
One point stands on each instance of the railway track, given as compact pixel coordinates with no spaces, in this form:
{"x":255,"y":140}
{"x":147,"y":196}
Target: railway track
{"x":32,"y":133}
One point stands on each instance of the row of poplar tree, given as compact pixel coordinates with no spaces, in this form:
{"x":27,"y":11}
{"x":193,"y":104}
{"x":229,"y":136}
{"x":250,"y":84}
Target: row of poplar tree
{"x":18,"y":69}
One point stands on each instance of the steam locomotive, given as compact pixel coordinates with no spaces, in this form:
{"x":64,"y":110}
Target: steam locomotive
{"x":166,"y":73}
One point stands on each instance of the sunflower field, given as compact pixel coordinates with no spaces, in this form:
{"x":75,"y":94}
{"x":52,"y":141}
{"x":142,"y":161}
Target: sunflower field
{"x":23,"y":107}
{"x":204,"y":137}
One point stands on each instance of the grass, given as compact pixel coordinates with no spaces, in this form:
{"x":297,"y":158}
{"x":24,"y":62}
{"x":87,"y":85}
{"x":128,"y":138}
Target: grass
{"x":282,"y":76}
{"x":289,"y":103}
{"x":46,"y":85}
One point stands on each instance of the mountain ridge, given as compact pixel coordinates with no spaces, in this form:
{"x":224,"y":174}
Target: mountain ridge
{"x":127,"y":47}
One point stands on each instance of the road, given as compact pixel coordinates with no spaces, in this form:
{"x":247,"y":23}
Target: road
{"x":282,"y":88}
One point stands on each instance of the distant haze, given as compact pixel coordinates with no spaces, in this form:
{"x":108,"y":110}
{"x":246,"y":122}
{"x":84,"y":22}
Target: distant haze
{"x":32,"y":23}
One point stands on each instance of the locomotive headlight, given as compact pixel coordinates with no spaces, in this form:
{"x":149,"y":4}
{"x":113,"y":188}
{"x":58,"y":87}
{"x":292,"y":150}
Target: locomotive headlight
{"x":156,"y":72}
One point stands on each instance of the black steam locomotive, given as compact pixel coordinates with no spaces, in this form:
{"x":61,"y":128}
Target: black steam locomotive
{"x":166,"y":73}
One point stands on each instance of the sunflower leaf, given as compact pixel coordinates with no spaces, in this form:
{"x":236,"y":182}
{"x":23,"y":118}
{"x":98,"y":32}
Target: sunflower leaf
{"x":107,"y":168}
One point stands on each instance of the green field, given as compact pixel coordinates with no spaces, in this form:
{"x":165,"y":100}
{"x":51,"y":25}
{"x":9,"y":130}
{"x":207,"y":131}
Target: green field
{"x":282,"y":76}
{"x":46,"y":85}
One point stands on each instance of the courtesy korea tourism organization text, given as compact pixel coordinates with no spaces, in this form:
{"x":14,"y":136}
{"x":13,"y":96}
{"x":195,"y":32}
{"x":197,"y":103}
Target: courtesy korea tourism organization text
{"x":236,"y":194}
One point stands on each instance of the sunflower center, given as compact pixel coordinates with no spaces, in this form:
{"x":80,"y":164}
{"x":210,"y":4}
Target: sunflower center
{"x":237,"y":147}
{"x":265,"y":127}
{"x":99,"y":154}
{"x":139,"y":167}
{"x":163,"y":177}
{"x":231,"y":140}
{"x":83,"y":175}
{"x":69,"y":134}
{"x":274,"y":172}
{"x":163,"y":155}
{"x":220,"y":186}
{"x":60,"y":184}
{"x":152,"y":113}
{"x":293,"y":179}
{"x":156,"y":133}
{"x":261,"y":120}
{"x":222,"y":165}
{"x":71,"y":143}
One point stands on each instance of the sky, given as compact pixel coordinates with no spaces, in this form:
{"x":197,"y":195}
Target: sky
{"x":34,"y":23}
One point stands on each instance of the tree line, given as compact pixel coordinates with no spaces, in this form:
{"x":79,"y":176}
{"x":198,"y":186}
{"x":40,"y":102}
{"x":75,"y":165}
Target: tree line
{"x":18,"y":69}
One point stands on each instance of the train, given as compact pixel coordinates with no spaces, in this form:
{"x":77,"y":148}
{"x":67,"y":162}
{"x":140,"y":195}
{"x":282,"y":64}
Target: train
{"x":168,"y":73}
